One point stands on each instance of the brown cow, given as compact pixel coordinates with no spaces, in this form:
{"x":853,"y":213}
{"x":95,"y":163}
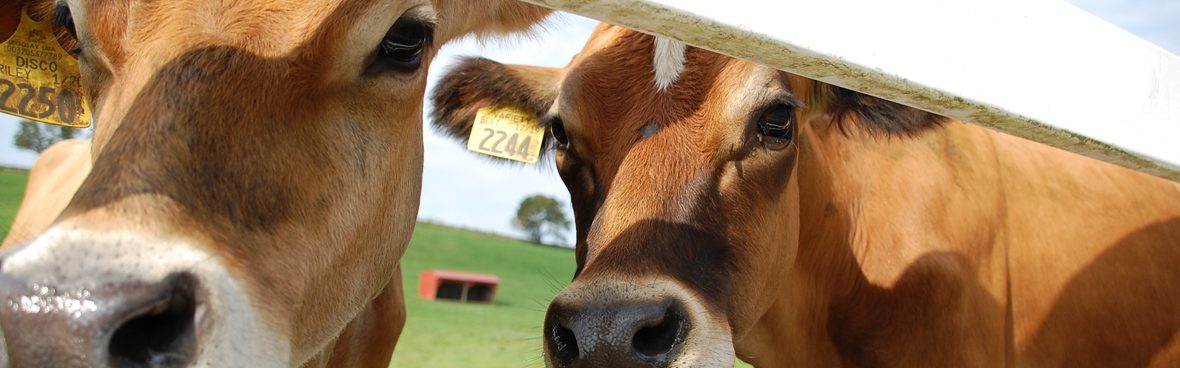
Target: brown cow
{"x":255,"y":180}
{"x":726,"y":208}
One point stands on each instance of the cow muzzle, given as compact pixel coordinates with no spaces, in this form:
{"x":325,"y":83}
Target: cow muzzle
{"x":634,"y":324}
{"x":78,"y":299}
{"x":132,"y":324}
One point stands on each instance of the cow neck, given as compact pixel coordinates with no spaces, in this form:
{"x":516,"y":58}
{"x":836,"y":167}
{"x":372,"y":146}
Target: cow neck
{"x":883,"y":213}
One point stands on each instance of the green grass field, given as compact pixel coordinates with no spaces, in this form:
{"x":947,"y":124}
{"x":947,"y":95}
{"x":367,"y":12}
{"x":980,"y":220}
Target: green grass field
{"x":12,"y":189}
{"x":440,"y":333}
{"x":504,"y":334}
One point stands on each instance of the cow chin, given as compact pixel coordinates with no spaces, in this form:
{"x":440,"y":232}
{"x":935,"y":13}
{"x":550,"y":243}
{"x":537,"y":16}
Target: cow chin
{"x":73,"y":297}
{"x":655,"y":322}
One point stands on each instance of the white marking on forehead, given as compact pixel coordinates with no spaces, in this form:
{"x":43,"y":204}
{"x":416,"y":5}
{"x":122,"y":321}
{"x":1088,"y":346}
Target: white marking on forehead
{"x":668,"y":61}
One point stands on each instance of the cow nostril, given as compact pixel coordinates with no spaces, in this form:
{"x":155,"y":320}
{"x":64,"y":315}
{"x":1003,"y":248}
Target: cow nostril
{"x":655,"y":340}
{"x":563,"y":342}
{"x":163,"y":335}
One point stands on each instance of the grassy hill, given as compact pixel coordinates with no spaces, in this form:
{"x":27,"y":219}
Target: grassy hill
{"x":12,"y":189}
{"x":504,"y":334}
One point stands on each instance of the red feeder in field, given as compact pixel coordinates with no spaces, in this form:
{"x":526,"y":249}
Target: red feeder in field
{"x":460,"y":286}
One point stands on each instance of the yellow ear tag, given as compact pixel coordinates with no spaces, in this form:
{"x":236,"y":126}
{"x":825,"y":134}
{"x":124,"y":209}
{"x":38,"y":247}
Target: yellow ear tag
{"x":38,"y":79}
{"x":506,"y":132}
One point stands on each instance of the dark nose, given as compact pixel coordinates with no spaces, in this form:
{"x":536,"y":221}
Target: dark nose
{"x":614,"y":334}
{"x":133,"y":324}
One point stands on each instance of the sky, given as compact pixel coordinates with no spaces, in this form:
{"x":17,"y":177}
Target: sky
{"x":459,"y":188}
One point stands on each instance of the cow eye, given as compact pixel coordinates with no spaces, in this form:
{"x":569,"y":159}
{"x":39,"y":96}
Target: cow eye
{"x":557,"y":130}
{"x":775,"y":125}
{"x":403,"y":47}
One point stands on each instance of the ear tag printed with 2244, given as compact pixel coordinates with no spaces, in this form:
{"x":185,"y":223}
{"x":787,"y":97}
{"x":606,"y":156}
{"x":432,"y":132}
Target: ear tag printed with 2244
{"x":39,"y":80}
{"x":506,"y":132}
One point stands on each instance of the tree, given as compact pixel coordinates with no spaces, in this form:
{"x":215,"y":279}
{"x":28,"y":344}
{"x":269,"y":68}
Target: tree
{"x":540,"y":215}
{"x":34,"y":136}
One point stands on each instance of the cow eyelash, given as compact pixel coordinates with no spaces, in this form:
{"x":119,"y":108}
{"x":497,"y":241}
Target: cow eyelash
{"x":556,"y":129}
{"x":774,"y":124}
{"x":403,"y":47}
{"x":64,"y":19}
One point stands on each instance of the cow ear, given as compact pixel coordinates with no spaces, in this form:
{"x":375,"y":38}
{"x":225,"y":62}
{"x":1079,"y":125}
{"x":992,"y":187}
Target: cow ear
{"x":458,"y":18}
{"x":476,"y":83}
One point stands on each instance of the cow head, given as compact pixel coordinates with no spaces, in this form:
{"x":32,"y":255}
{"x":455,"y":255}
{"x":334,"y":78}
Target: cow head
{"x":685,"y":170}
{"x":257,"y":167}
{"x":668,"y":165}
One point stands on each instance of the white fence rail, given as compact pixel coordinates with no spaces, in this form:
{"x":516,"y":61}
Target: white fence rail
{"x":1039,"y":69}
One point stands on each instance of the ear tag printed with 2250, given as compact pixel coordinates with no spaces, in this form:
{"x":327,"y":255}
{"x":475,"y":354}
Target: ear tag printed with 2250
{"x":506,"y":132}
{"x":39,"y":80}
